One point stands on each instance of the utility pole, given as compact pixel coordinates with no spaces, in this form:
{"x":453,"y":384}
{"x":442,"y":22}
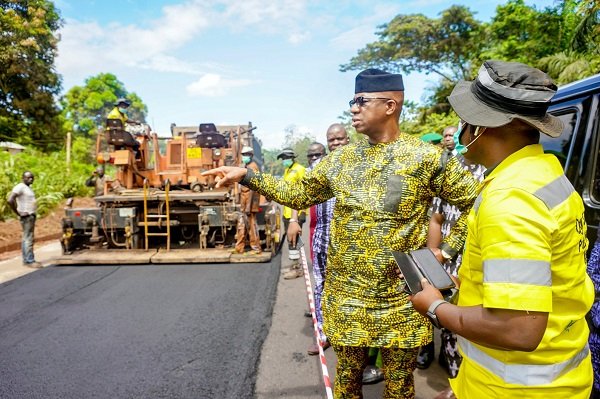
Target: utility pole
{"x":69,"y":152}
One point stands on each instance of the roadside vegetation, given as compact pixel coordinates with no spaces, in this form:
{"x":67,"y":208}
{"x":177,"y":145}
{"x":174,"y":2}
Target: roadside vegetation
{"x":54,"y":180}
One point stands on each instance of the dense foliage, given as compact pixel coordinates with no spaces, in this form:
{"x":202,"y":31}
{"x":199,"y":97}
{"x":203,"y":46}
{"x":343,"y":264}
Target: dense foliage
{"x":416,"y":43}
{"x":28,"y":81}
{"x":579,"y":56}
{"x":52,"y":182}
{"x":85,"y":107}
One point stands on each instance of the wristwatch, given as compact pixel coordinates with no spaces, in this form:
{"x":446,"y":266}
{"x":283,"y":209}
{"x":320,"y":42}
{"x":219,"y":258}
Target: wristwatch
{"x":431,"y":312}
{"x":445,"y":255}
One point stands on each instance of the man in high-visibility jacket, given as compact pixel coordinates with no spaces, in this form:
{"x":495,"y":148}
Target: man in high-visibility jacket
{"x":119,"y":112}
{"x":524,"y":291}
{"x":293,"y":172}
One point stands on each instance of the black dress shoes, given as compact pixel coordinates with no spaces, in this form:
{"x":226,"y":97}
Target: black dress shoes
{"x":372,"y":375}
{"x":426,"y":356}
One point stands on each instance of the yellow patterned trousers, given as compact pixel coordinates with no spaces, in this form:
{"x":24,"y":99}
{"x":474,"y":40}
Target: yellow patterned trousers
{"x":398,"y":367}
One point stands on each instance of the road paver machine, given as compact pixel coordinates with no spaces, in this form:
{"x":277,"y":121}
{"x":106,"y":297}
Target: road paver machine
{"x":158,"y":208}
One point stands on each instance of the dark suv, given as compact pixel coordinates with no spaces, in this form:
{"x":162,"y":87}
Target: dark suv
{"x":578,"y":106}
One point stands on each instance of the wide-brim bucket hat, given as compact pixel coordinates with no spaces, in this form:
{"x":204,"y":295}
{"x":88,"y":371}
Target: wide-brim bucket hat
{"x":247,"y":150}
{"x":504,"y":91}
{"x":122,"y":101}
{"x":286,"y":153}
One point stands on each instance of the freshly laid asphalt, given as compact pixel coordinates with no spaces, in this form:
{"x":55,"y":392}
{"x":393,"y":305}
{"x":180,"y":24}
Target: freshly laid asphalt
{"x":162,"y":331}
{"x":156,"y":331}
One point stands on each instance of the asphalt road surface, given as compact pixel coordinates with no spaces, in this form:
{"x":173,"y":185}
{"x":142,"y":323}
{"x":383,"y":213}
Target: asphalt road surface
{"x":188,"y":331}
{"x":155,"y":331}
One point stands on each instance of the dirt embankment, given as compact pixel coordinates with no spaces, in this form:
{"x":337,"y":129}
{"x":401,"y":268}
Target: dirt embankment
{"x":46,"y":229}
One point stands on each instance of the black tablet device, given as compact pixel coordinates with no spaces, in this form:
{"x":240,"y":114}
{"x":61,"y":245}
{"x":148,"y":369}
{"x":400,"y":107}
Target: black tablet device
{"x":419,"y":264}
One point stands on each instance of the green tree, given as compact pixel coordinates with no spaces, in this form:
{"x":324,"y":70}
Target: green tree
{"x":414,"y":43}
{"x":522,"y":33}
{"x":85,"y":107}
{"x":585,"y":35}
{"x":569,"y":66}
{"x":28,"y":81}
{"x":581,"y":57}
{"x":52,"y":183}
{"x":271,"y":164}
{"x":415,"y":124}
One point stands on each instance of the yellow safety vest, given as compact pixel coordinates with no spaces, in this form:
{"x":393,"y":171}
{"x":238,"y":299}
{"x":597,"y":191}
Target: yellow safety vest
{"x":116,"y":114}
{"x":525,"y":250}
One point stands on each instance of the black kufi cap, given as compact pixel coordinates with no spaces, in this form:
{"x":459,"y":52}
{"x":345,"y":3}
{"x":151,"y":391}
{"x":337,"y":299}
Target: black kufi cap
{"x":375,"y":80}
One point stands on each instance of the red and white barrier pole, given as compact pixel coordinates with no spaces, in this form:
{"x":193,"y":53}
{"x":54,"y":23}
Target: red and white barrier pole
{"x":311,"y":304}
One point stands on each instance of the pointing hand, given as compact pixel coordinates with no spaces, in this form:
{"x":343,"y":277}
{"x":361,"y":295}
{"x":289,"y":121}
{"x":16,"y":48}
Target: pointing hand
{"x":226,"y":175}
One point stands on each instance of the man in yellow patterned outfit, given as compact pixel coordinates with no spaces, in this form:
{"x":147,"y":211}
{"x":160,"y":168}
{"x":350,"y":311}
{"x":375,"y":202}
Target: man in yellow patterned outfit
{"x":383,"y":188}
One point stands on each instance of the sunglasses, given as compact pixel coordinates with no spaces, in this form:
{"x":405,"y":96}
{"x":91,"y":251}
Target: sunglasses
{"x":361,"y":101}
{"x":315,"y":155}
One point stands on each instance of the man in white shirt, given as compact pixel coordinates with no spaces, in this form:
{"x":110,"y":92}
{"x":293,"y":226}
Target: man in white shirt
{"x":22,"y":202}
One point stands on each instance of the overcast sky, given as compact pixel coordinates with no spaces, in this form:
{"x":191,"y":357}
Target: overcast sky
{"x":274,"y":63}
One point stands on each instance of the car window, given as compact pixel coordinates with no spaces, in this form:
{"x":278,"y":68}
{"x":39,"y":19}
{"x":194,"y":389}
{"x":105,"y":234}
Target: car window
{"x":561,"y":146}
{"x":596,"y":161}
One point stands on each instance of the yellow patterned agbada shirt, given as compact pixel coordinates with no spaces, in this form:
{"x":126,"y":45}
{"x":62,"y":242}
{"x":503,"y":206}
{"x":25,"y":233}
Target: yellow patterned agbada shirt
{"x":383,"y":193}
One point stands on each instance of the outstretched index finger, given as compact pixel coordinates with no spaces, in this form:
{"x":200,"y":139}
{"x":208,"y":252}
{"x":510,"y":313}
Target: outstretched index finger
{"x":213,"y":172}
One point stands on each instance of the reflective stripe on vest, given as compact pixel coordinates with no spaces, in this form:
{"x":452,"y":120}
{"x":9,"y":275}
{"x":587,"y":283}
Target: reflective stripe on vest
{"x":552,"y":194}
{"x":522,"y":374}
{"x":518,"y":271}
{"x":555,"y":192}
